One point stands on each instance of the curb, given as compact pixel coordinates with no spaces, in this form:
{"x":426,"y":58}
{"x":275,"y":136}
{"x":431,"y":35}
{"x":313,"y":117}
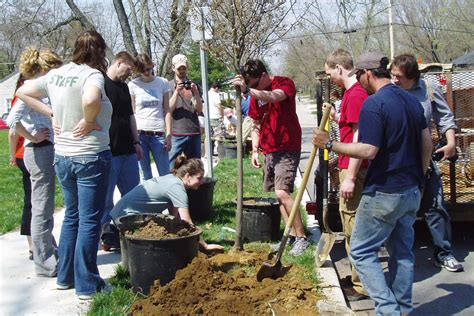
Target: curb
{"x":330,"y":286}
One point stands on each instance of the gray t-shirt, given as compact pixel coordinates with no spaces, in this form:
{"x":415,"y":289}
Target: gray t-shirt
{"x":64,"y":87}
{"x":153,"y":196}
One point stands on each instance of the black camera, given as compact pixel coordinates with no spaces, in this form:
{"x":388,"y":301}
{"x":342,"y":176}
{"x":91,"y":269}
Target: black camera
{"x":186,"y":84}
{"x":437,"y":156}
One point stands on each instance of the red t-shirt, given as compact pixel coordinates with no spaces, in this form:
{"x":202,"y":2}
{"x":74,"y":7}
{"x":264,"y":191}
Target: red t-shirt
{"x":351,"y":105}
{"x":280,"y":129}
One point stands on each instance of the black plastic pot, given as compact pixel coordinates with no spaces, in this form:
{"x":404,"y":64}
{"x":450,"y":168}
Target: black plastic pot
{"x":129,"y":222}
{"x":261,"y":220}
{"x":151,"y":259}
{"x":230,"y":150}
{"x":200,"y":200}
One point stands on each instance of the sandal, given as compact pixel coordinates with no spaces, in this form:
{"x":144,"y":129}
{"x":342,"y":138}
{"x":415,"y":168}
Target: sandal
{"x":31,"y":255}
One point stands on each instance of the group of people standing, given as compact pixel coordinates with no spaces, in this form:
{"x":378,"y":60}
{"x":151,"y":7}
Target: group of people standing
{"x":386,"y":172}
{"x":83,"y":124}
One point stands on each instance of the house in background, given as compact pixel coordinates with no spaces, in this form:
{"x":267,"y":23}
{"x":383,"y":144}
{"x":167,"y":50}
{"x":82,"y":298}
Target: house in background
{"x":7,"y":88}
{"x":465,"y":62}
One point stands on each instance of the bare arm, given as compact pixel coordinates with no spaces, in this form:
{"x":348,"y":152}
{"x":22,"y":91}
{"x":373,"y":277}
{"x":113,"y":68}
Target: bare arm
{"x":269,"y":96}
{"x":29,"y":94}
{"x":13,"y":142}
{"x":255,"y":140}
{"x":348,"y":185}
{"x":197,"y":98}
{"x":449,"y":149}
{"x":168,"y":119}
{"x":183,"y":213}
{"x":136,"y":138}
{"x":134,"y":104}
{"x":173,"y":102}
{"x":41,"y":135}
{"x":91,"y":106}
{"x":354,"y":150}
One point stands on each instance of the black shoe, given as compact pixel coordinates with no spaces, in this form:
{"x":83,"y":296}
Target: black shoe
{"x":30,"y":255}
{"x":346,"y":282}
{"x":353,"y":296}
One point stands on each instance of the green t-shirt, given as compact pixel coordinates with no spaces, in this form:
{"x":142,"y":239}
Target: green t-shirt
{"x":153,"y":196}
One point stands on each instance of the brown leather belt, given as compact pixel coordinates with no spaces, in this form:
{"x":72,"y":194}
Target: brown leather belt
{"x":151,"y":133}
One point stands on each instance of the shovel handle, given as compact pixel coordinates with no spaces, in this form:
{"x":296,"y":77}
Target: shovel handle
{"x":304,"y":182}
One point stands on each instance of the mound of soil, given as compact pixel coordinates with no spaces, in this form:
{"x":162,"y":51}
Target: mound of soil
{"x":162,"y":227}
{"x":226,"y":284}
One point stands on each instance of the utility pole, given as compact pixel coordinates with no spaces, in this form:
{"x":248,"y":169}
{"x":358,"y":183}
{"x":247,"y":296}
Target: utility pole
{"x":390,"y":28}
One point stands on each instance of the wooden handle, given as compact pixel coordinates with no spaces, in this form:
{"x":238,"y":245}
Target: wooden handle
{"x":304,"y":182}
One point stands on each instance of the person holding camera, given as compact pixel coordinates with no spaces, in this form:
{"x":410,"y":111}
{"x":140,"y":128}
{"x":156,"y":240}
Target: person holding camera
{"x":185,"y":104}
{"x":150,"y":101}
{"x":406,"y":74}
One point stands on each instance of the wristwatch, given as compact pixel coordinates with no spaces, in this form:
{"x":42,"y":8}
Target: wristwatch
{"x":137,"y":143}
{"x":329,"y":145}
{"x":247,"y":90}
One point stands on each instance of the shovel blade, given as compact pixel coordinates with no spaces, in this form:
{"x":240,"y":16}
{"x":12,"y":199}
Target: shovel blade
{"x":269,"y":270}
{"x":324,"y":248}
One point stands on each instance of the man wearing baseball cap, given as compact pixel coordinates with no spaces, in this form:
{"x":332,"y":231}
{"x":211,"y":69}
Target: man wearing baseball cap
{"x":185,"y":104}
{"x":393,"y":134}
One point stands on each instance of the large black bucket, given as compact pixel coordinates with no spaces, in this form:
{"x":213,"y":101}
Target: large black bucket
{"x":230,"y":150}
{"x":261,"y":219}
{"x":128,"y":222}
{"x":151,"y":259}
{"x":200,"y":200}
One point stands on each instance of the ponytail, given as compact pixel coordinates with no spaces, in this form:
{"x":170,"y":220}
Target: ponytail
{"x":183,"y":165}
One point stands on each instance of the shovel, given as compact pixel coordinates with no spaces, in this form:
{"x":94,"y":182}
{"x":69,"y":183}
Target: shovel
{"x":328,"y":237}
{"x":274,"y":269}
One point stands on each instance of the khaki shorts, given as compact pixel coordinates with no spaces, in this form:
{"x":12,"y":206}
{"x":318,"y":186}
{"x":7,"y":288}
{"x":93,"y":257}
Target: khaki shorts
{"x":280,"y":171}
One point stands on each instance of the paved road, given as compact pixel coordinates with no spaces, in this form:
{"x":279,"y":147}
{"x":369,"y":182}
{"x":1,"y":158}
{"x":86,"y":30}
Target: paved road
{"x":436,"y":291}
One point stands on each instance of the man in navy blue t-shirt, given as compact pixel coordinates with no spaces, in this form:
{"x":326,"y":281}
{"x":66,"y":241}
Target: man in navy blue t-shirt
{"x":393,"y":134}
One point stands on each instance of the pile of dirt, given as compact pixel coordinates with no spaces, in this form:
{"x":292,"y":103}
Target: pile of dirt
{"x":163,"y":227}
{"x":226,"y":284}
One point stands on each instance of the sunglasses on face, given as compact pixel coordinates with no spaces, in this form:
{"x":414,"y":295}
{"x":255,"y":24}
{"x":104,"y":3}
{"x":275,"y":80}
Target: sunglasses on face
{"x":147,"y":69}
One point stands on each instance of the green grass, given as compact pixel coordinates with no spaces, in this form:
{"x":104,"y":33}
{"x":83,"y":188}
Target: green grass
{"x":11,"y":189}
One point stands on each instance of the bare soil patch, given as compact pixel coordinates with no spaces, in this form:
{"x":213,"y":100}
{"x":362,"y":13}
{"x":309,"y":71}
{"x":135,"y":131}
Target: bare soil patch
{"x":226,"y":284}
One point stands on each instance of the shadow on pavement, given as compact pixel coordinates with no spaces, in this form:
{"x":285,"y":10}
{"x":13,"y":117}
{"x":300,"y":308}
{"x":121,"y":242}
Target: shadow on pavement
{"x":445,"y":303}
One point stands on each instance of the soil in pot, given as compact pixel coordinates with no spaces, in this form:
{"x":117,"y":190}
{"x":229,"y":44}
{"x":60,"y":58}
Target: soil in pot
{"x":158,"y":248}
{"x":226,"y":284}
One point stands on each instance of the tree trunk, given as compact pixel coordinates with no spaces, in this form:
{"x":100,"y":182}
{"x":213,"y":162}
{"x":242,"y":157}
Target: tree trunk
{"x":125,"y":26}
{"x":86,"y":24}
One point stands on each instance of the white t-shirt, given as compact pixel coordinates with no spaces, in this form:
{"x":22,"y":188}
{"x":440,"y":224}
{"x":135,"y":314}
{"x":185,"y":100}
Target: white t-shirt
{"x":64,"y":87}
{"x":149,"y":112}
{"x":214,"y":104}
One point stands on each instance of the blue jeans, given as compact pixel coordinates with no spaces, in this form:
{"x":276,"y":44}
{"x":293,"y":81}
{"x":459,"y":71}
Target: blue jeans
{"x":84,"y":183}
{"x":386,"y":218}
{"x":156,"y":145}
{"x":436,"y":214}
{"x":189,"y":145}
{"x":125,"y":175}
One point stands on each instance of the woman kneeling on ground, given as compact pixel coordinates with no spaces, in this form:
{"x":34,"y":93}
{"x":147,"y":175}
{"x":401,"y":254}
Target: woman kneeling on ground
{"x":167,"y":192}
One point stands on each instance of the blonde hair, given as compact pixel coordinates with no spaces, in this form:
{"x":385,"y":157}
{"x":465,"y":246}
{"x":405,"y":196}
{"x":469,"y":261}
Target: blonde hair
{"x":182,"y":165}
{"x":33,"y":61}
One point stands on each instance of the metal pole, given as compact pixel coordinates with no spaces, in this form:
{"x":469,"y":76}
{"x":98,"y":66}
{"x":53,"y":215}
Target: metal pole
{"x":390,"y":28}
{"x":205,"y":88}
